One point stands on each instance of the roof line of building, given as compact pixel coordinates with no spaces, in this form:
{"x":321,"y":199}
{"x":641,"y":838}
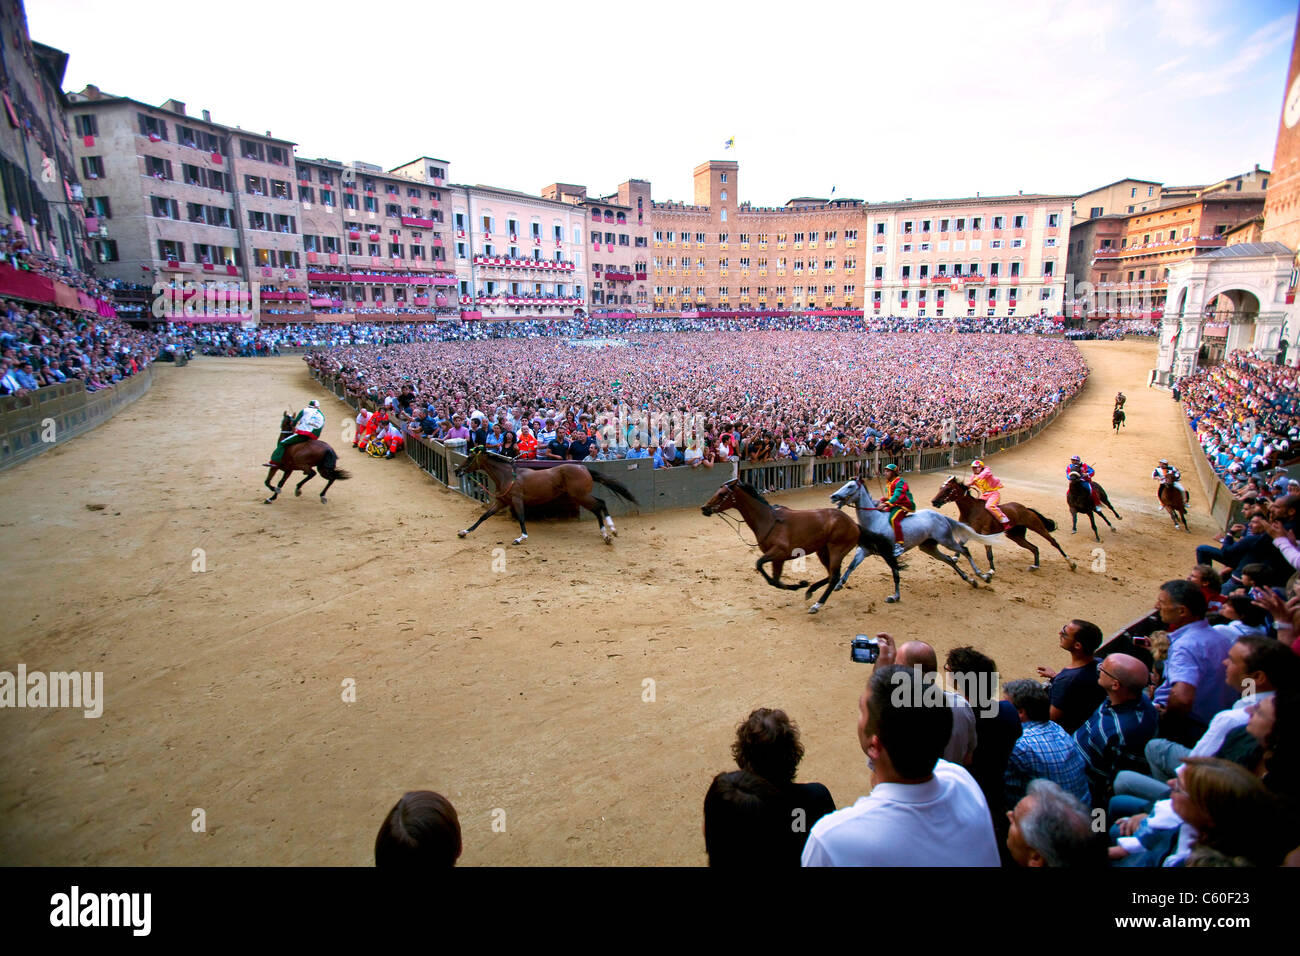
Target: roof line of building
{"x":80,"y":100}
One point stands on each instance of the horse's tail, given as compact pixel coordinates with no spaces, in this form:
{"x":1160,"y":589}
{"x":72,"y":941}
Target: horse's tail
{"x":617,"y":487}
{"x":327,"y":468}
{"x":1048,"y":523}
{"x":962,"y":533}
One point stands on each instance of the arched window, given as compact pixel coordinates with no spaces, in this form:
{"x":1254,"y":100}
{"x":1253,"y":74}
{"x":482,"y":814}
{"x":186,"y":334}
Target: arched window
{"x":724,"y":195}
{"x":724,"y":215}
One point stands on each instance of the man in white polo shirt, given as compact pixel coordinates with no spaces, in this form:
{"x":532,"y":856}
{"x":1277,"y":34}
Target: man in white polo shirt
{"x":922,"y":810}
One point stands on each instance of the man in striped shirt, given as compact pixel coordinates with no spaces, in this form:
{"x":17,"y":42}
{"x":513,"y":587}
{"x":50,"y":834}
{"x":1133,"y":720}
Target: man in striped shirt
{"x":1043,"y":750}
{"x":1113,"y":738}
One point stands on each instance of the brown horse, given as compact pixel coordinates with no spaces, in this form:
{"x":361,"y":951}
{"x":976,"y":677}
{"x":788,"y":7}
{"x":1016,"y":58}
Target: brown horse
{"x":516,"y":489}
{"x":784,"y":534}
{"x":1080,"y":501}
{"x":304,"y":456}
{"x":974,"y":513}
{"x":1174,"y":502}
{"x":1117,"y":419}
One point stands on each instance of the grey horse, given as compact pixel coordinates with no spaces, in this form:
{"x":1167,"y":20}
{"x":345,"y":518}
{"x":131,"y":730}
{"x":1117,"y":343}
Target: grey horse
{"x":927,"y":530}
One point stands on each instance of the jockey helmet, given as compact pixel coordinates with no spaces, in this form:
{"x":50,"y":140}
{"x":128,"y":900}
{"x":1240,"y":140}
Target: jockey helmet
{"x":1076,"y":458}
{"x":891,"y":467}
{"x":1164,"y":461}
{"x":313,"y":404}
{"x":977,"y":463}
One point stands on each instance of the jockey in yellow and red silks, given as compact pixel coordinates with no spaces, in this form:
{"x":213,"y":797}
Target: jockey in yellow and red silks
{"x":989,"y":488}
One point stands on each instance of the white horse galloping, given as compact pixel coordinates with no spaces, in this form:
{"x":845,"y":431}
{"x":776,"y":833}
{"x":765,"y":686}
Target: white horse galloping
{"x":927,"y":530}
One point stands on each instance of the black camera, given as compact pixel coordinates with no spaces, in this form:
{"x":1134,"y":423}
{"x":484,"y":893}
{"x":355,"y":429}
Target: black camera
{"x":864,"y":650}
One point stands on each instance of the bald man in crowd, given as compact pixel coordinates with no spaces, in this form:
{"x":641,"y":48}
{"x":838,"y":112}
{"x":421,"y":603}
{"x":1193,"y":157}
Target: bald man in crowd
{"x":1114,"y":737}
{"x":961,"y":745}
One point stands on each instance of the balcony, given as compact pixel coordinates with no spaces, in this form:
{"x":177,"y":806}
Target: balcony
{"x":503,"y":298}
{"x":618,"y":276}
{"x":415,"y":222}
{"x":505,"y":262}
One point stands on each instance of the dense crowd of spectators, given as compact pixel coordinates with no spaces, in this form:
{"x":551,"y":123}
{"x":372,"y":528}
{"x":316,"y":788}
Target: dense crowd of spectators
{"x":15,"y":251}
{"x":1180,"y":737}
{"x":1246,"y":415}
{"x":708,"y":396}
{"x":1113,"y":329}
{"x":44,"y":346}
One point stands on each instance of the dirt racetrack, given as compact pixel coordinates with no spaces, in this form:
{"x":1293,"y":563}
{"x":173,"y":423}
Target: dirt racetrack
{"x":518,"y":691}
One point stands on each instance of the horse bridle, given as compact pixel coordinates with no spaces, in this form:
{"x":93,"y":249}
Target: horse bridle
{"x":735,"y":523}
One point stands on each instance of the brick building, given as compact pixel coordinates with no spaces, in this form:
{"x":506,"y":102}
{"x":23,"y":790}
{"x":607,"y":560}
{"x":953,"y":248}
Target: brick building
{"x":39,"y":181}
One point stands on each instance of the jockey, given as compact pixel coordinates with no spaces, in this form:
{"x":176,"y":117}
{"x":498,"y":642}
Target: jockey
{"x":1085,"y":471}
{"x":1120,"y":399}
{"x":307,"y":425}
{"x":989,"y":487}
{"x":899,"y":504}
{"x":1167,"y":472}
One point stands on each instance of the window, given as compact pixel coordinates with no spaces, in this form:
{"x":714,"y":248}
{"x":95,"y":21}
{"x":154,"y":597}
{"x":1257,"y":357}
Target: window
{"x":87,"y":124}
{"x":1095,"y":211}
{"x":105,"y":250}
{"x":98,"y":206}
{"x":250,"y":149}
{"x":171,"y":251}
{"x":158,"y":168}
{"x":1053,"y":220}
{"x":880,"y":228}
{"x":1018,"y":222}
{"x":163,"y":208}
{"x":722,"y":215}
{"x":998,"y":222}
{"x":1132,"y":193}
{"x":723,"y":177}
{"x":152,"y":127}
{"x":723,"y":197}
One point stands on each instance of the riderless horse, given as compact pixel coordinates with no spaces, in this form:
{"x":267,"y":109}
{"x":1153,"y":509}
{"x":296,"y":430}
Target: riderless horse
{"x":784,"y":534}
{"x":1080,"y":501}
{"x":517,"y":489}
{"x":927,"y":530}
{"x":304,"y":456}
{"x":974,"y":513}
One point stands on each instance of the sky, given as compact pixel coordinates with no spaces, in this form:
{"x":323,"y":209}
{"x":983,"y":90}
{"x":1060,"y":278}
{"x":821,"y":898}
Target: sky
{"x":879,"y":100}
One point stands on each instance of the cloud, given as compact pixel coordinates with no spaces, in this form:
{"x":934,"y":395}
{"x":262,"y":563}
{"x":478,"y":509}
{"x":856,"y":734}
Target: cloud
{"x":1229,"y":74}
{"x":1188,"y":23}
{"x":1176,"y":61}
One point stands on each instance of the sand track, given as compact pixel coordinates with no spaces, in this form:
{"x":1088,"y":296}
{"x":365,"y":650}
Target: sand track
{"x":518,"y":690}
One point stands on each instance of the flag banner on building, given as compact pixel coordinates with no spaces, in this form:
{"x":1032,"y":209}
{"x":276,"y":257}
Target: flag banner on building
{"x":730,"y":144}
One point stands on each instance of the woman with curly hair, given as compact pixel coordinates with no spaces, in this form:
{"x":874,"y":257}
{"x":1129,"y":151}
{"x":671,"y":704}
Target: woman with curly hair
{"x":767,"y":745}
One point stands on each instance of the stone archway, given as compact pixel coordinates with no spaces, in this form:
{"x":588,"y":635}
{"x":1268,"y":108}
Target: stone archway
{"x":1233,"y":313}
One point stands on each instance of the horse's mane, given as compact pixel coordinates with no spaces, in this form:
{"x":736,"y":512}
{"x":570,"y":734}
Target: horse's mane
{"x":750,"y":490}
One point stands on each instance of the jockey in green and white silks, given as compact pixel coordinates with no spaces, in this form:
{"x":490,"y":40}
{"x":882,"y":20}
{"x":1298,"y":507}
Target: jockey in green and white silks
{"x":307,"y":424}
